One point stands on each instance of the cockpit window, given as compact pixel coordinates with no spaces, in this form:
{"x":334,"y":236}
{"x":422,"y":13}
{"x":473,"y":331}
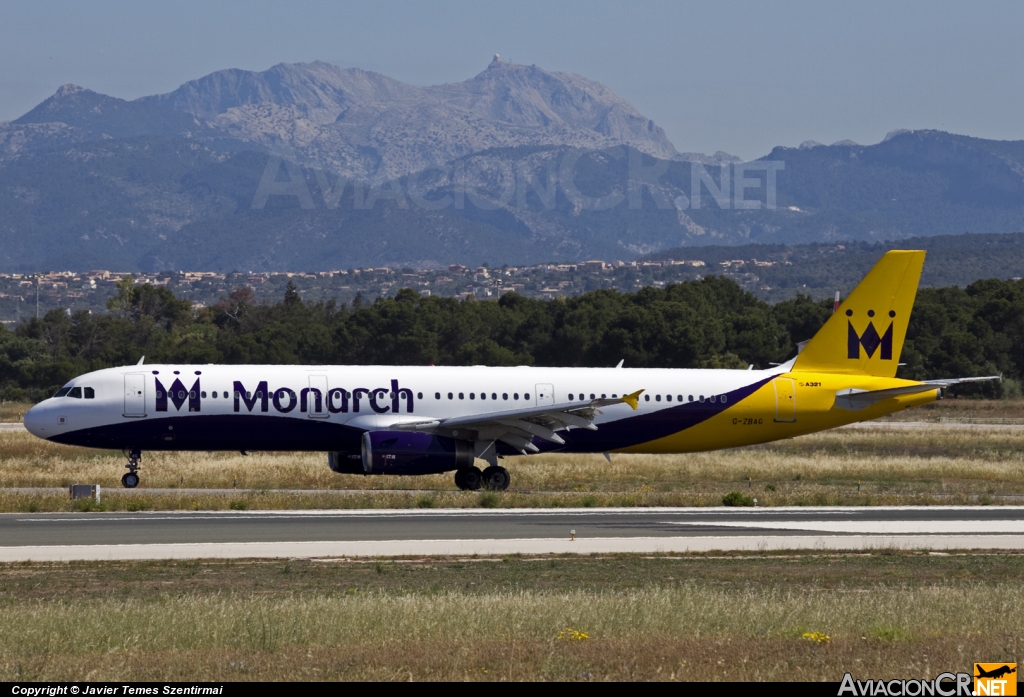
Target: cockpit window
{"x":89,"y":393}
{"x":62,"y":392}
{"x":75,"y":392}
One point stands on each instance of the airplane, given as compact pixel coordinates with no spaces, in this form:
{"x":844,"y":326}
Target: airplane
{"x":413,"y":420}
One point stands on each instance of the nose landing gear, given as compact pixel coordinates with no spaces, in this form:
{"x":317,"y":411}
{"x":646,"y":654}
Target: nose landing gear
{"x":131,"y":479}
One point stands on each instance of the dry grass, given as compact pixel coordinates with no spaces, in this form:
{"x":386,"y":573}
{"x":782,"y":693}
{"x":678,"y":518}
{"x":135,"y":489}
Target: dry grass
{"x":688,"y":617}
{"x":927,"y":464}
{"x":684,"y":632}
{"x":13,"y":411}
{"x":975,"y":409}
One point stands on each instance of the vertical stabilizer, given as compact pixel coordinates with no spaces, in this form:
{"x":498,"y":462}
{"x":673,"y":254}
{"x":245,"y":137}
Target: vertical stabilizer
{"x":865,"y":335}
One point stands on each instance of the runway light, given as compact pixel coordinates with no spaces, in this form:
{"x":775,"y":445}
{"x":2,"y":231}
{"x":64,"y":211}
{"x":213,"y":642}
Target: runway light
{"x":572,"y":535}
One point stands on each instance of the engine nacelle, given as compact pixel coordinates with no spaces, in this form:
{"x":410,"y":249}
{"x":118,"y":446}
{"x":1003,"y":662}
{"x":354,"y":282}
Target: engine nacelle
{"x":345,"y":462}
{"x":401,"y":452}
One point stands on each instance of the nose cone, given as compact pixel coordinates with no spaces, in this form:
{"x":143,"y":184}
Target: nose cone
{"x":35,"y":420}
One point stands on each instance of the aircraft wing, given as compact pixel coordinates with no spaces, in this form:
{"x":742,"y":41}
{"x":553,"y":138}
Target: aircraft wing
{"x":517,"y":427}
{"x":855,"y":400}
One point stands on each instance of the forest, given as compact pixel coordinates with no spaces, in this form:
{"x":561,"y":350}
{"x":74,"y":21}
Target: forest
{"x":710,"y":323}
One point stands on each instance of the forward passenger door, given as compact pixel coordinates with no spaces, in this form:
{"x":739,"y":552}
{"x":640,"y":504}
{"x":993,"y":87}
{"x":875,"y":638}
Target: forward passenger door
{"x":135,"y":395}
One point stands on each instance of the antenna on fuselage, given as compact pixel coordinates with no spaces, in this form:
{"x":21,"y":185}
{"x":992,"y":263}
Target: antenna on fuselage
{"x":835,"y":305}
{"x":620,"y":363}
{"x":141,"y":360}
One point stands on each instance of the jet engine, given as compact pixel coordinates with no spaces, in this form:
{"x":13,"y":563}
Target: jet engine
{"x":344,"y":462}
{"x":401,"y":452}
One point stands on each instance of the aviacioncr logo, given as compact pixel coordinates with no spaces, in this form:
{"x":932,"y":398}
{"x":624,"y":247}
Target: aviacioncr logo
{"x":869,"y":339}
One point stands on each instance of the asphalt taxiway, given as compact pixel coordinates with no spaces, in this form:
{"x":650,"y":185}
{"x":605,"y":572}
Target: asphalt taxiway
{"x":370,"y":533}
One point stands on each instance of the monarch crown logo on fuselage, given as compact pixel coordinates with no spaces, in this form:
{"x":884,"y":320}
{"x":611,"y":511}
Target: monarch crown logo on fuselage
{"x":869,"y":339}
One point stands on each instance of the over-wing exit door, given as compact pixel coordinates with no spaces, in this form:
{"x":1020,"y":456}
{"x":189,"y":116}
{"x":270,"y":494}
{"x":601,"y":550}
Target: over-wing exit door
{"x":318,"y":397}
{"x":545,"y":395}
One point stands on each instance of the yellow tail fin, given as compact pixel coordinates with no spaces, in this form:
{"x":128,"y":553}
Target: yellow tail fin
{"x":865,"y":335}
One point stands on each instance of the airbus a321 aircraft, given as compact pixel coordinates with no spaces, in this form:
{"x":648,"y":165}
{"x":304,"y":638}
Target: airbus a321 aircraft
{"x":426,"y":420}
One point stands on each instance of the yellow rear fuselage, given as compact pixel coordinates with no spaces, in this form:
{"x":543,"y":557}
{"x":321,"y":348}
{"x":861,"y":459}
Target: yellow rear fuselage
{"x":791,"y":404}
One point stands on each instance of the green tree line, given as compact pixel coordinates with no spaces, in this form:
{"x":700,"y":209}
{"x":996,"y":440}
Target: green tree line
{"x":954,"y":332}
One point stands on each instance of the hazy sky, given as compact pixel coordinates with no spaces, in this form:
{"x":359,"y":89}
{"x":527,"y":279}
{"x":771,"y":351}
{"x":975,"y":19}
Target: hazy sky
{"x":740,"y":77}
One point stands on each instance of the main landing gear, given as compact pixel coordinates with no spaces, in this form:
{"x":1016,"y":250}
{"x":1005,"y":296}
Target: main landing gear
{"x":493,"y":478}
{"x":131,"y":479}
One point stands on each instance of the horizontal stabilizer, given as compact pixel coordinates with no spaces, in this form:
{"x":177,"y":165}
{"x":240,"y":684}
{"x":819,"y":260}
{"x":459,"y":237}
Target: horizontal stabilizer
{"x":855,"y":400}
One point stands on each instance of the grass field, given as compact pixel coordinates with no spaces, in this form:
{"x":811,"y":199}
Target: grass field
{"x":739,"y":617}
{"x":943,"y":460}
{"x":933,"y":463}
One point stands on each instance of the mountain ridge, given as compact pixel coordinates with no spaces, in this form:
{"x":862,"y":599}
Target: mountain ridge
{"x":515,"y":164}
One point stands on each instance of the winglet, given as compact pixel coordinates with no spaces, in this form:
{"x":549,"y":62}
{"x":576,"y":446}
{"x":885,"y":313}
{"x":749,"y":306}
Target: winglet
{"x":632,"y":400}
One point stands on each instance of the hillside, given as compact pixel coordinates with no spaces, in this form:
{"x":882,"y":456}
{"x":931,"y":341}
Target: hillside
{"x":515,"y":165}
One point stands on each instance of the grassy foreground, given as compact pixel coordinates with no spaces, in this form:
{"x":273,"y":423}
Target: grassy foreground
{"x":949,"y":463}
{"x":740,"y":617}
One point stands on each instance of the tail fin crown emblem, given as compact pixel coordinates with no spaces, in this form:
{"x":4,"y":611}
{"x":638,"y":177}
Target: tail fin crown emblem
{"x":869,"y":339}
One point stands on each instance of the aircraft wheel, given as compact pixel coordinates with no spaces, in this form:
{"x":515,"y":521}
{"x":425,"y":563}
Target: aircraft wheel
{"x":130,"y":480}
{"x":469,"y":479}
{"x":496,"y":478}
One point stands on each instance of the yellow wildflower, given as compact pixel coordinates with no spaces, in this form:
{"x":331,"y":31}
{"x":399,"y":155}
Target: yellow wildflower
{"x":570,"y":634}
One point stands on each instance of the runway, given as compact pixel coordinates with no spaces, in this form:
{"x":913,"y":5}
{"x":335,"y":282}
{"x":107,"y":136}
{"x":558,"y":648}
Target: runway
{"x":372,"y":533}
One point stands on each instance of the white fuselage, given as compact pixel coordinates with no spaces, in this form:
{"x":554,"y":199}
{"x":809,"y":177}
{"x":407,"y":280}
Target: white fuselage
{"x":269,"y":407}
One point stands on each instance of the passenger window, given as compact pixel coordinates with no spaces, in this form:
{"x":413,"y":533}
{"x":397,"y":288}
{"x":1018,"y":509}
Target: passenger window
{"x":668,"y":398}
{"x":89,"y":393}
{"x":691,"y":398}
{"x":504,"y":395}
{"x":203,"y":395}
{"x":248,"y":395}
{"x":657,"y":398}
{"x":494,"y":395}
{"x":647,"y":397}
{"x":462,"y":396}
{"x":62,"y":392}
{"x":437,"y":395}
{"x":701,"y":398}
{"x":472,"y":395}
{"x":515,"y":395}
{"x":603,"y":397}
{"x":570,"y":396}
{"x":679,"y":397}
{"x":419,"y":395}
{"x":615,"y":396}
{"x":450,"y":396}
{"x":483,"y":395}
{"x":723,"y":399}
{"x":75,"y":392}
{"x":591,"y":395}
{"x":712,"y":399}
{"x":526,"y":396}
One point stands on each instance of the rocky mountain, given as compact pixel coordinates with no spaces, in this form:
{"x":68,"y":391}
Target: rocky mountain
{"x":367,"y":125}
{"x":312,"y":166}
